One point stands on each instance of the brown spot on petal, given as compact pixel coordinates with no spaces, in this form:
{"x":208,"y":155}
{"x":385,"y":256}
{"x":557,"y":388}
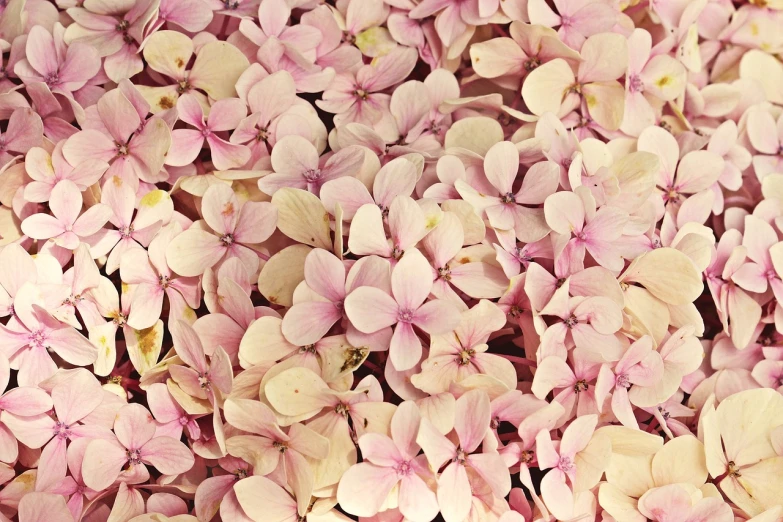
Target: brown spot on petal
{"x":228,"y":210}
{"x":464,"y":260}
{"x":165,"y":103}
{"x":179,"y":61}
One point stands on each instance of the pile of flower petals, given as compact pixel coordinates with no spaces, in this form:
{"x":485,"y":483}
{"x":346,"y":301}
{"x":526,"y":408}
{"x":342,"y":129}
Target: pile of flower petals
{"x":391,"y":260}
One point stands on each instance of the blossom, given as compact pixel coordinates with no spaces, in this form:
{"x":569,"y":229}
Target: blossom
{"x":135,"y":446}
{"x":234,"y":224}
{"x":388,"y":462}
{"x":371,"y":309}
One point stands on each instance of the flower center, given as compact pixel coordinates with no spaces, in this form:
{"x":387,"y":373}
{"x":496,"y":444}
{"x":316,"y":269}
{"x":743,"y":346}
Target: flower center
{"x":134,"y":456}
{"x":122,"y":26}
{"x":404,"y":468}
{"x":623,"y":381}
{"x":531,"y":63}
{"x":227,"y":239}
{"x":665,"y":414}
{"x":61,"y":430}
{"x":126,"y":232}
{"x":312,"y":175}
{"x":571,"y":321}
{"x":526,"y":457}
{"x":119,"y":319}
{"x":183,"y":86}
{"x":465,"y":356}
{"x":164,"y":281}
{"x":361,"y":93}
{"x":342,"y":409}
{"x":581,"y":386}
{"x":635,"y":84}
{"x":405,"y":316}
{"x":732,"y":469}
{"x":515,"y":311}
{"x":37,"y":338}
{"x":565,"y":464}
{"x":240,"y":473}
{"x":444,"y":272}
{"x":203,"y":380}
{"x":52,"y":79}
{"x":122,"y":149}
{"x":282,"y":447}
{"x":508,"y":198}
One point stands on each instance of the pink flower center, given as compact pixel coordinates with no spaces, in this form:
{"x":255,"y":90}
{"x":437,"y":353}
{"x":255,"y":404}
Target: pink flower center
{"x":623,"y":381}
{"x":312,"y":175}
{"x":581,"y":386}
{"x":405,"y":316}
{"x":240,"y":473}
{"x":566,"y":21}
{"x":126,"y":232}
{"x":461,"y":456}
{"x":227,"y":239}
{"x":61,"y":430}
{"x":665,"y":414}
{"x":203,"y":380}
{"x":206,"y":132}
{"x":771,"y":274}
{"x":635,"y":83}
{"x":231,"y":4}
{"x":282,"y":447}
{"x":119,"y":319}
{"x":404,"y":468}
{"x":565,"y":464}
{"x":444,"y":272}
{"x":134,"y":456}
{"x":122,"y":26}
{"x":122,"y":149}
{"x":37,"y":338}
{"x":164,"y":281}
{"x":465,"y":356}
{"x":183,"y":420}
{"x":52,"y":79}
{"x":526,"y":456}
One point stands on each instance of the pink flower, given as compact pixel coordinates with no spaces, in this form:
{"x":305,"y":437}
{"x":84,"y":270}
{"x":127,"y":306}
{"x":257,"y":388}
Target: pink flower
{"x":462,"y":353}
{"x":766,"y":136}
{"x":641,"y":365}
{"x":24,"y":131}
{"x":154,"y":279}
{"x":296,"y":164}
{"x":120,"y":134}
{"x":471,"y":424}
{"x":370,"y":309}
{"x":116,"y":32}
{"x":455,"y":18}
{"x":269,"y":449}
{"x":360,"y":98}
{"x":582,"y":228}
{"x":74,"y":398}
{"x":154,"y":210}
{"x":134,"y":447}
{"x":674,"y":502}
{"x":17,"y":404}
{"x":573,"y":382}
{"x":556,"y":493}
{"x":649,"y":78}
{"x":66,"y":227}
{"x":235,"y":225}
{"x":506,"y":208}
{"x":28,"y":337}
{"x":578,"y":19}
{"x":186,"y":143}
{"x":48,"y":170}
{"x":64,"y":69}
{"x":388,"y":462}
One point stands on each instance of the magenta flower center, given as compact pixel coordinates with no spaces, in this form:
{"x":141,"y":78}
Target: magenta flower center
{"x":37,"y":338}
{"x":164,"y":281}
{"x":61,"y":430}
{"x":227,"y":239}
{"x":405,"y":316}
{"x":566,"y":21}
{"x":52,"y":79}
{"x":623,"y":381}
{"x":404,"y":468}
{"x":565,"y":464}
{"x":635,"y":83}
{"x":126,"y":232}
{"x":312,"y":175}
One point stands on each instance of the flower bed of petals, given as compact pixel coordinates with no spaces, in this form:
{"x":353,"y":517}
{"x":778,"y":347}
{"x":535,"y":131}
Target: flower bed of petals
{"x":391,"y":260}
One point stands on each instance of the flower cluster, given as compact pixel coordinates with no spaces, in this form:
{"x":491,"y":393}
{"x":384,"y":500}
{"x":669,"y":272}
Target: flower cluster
{"x":391,"y":260}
